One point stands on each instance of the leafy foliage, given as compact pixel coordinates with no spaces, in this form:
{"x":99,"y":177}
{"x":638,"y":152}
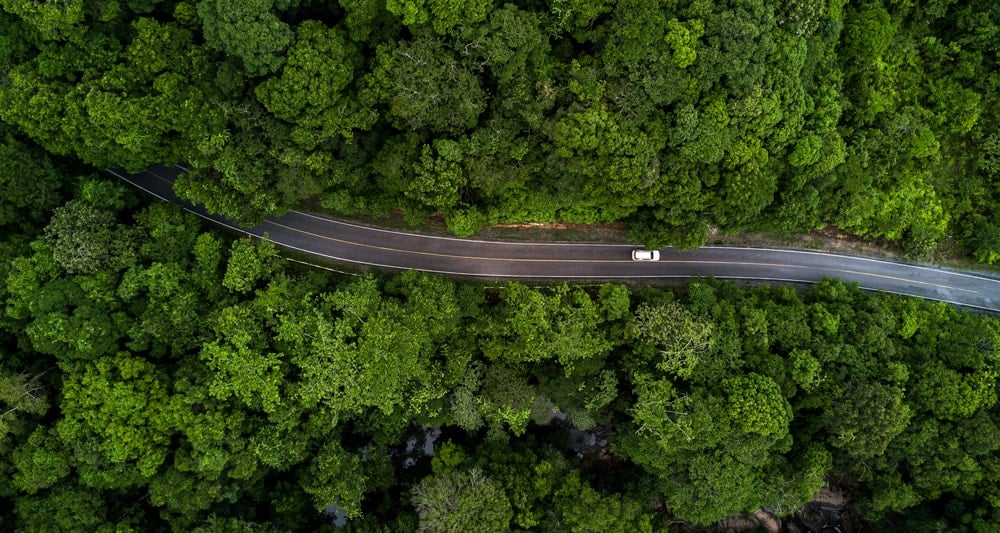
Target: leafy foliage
{"x":249,"y":31}
{"x":87,"y":240}
{"x":200,"y":370}
{"x":157,"y":376}
{"x":675,"y":117}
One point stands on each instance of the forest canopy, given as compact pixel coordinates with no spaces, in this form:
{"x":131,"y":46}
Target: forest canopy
{"x":156,"y":374}
{"x":676,"y":116}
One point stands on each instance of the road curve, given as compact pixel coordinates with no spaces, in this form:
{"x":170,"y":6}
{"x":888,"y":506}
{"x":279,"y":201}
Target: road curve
{"x":353,"y":243}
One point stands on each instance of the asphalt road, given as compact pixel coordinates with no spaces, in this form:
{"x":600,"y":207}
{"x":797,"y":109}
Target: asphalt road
{"x":353,"y":243}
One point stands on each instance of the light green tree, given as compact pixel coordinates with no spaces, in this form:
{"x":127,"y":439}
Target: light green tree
{"x":115,"y":422}
{"x":250,"y":261}
{"x":454,"y":501}
{"x":442,"y":15}
{"x":678,"y":337}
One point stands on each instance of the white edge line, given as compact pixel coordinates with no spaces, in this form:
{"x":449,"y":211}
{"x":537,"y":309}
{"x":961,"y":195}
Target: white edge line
{"x":518,"y":243}
{"x":482,"y":241}
{"x":835,"y":272}
{"x":527,"y":276}
{"x":314,"y":265}
{"x":319,"y":254}
{"x":420,"y":235}
{"x":633,"y":246}
{"x":854,"y":257}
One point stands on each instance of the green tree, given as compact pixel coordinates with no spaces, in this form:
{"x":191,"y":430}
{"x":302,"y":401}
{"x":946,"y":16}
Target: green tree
{"x":949,"y":394}
{"x":460,"y":501}
{"x":369,"y":21}
{"x":86,"y":332}
{"x":507,"y":399}
{"x":30,"y":184}
{"x":678,"y":337}
{"x":868,"y":33}
{"x":717,"y":486}
{"x":612,"y":158}
{"x":248,"y":30}
{"x":987,"y":242}
{"x":356,"y":351}
{"x":442,"y":15}
{"x":52,"y":21}
{"x":67,"y":506}
{"x":865,"y":417}
{"x":115,"y":422}
{"x":250,"y":261}
{"x":533,"y":326}
{"x":580,"y":508}
{"x":21,"y":398}
{"x":573,"y":14}
{"x":614,"y":301}
{"x":439,"y":177}
{"x":312,"y":90}
{"x":757,"y":405}
{"x":41,"y":462}
{"x":87,"y":240}
{"x":241,"y":363}
{"x":804,"y":369}
{"x":425,"y":87}
{"x":336,"y":477}
{"x":682,"y":39}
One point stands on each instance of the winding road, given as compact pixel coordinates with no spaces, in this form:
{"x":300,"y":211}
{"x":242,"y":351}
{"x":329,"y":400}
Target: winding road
{"x":354,"y":243}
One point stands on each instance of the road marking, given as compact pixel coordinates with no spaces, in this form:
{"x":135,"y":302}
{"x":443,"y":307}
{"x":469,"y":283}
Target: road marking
{"x":530,"y":260}
{"x":936,"y":270}
{"x":712,"y":262}
{"x":335,"y":222}
{"x":663,"y":261}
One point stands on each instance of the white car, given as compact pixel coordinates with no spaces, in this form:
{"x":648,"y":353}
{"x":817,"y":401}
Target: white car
{"x":645,"y":255}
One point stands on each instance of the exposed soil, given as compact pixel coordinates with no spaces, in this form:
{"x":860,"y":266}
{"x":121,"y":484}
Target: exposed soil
{"x":557,"y":231}
{"x":829,"y":239}
{"x":734,"y":524}
{"x":767,"y":520}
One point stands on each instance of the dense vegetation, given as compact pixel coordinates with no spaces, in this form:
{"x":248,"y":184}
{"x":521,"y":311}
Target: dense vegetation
{"x":156,"y":375}
{"x":879,"y":116}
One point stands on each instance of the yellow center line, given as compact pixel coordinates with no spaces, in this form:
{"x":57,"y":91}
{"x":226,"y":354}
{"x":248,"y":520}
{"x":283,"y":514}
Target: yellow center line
{"x":530,"y":260}
{"x":556,"y":260}
{"x":161,"y":178}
